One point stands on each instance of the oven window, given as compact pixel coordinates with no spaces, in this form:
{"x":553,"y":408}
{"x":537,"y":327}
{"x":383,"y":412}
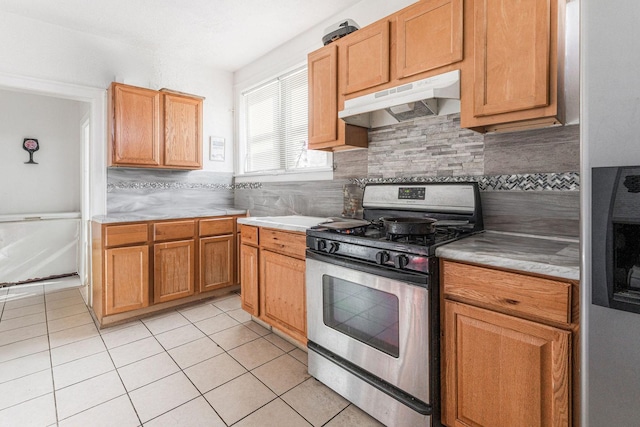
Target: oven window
{"x":366,"y":314}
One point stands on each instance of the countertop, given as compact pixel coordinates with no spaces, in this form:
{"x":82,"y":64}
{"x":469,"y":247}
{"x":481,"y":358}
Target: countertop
{"x":287,"y":223}
{"x":165,"y":213}
{"x":528,"y":254}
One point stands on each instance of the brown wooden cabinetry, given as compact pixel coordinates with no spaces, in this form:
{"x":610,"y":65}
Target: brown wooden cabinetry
{"x":156,"y":129}
{"x":272,"y":278}
{"x":249,"y":271}
{"x":174,"y":270}
{"x":514,"y":79}
{"x":126,"y":279}
{"x":145,"y":266}
{"x":508,"y":353}
{"x":182,"y":131}
{"x":364,"y":58}
{"x":326,"y":131}
{"x":428,"y":36}
{"x":282,"y":293}
{"x":135,"y":126}
{"x":218,"y":258}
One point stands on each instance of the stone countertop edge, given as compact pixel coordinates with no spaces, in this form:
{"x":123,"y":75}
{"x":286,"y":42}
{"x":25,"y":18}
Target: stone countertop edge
{"x":558,"y":258}
{"x":286,"y":223}
{"x":165,"y":214}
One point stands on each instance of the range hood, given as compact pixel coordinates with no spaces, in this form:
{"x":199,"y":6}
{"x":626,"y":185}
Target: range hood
{"x":431,"y":96}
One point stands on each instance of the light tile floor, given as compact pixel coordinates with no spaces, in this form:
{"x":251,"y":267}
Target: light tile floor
{"x":205,"y":365}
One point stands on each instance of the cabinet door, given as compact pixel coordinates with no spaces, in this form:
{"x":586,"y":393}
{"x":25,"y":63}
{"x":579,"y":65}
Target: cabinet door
{"x":126,"y":279}
{"x":173,"y":266}
{"x":282,"y":293}
{"x":501,"y":371}
{"x":512,"y":55}
{"x":135,"y":131}
{"x":323,"y":94}
{"x":364,"y":58}
{"x":182,"y":131}
{"x":429,"y":35}
{"x":249,"y":279}
{"x":216,"y":262}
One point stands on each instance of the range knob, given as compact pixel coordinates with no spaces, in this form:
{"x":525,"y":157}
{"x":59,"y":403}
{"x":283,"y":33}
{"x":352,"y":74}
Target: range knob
{"x":333,"y":247}
{"x":321,"y":245}
{"x":382,"y":257}
{"x":401,"y":261}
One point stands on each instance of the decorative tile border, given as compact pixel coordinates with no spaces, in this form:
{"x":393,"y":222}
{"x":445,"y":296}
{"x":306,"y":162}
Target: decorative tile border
{"x":569,"y":181}
{"x":156,"y":185}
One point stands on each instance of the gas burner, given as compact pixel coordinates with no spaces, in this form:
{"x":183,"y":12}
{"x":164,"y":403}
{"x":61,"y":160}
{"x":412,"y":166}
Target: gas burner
{"x":355,"y":231}
{"x":413,"y":239}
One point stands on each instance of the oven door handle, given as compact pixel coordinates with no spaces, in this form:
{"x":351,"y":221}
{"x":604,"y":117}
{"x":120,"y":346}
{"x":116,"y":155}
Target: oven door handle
{"x":398,"y":275}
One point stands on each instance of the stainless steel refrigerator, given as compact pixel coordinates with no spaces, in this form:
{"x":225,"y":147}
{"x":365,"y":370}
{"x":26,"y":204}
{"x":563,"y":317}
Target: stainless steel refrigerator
{"x":610,"y":208}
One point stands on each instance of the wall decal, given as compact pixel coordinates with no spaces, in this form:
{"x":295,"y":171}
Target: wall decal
{"x":31,"y":145}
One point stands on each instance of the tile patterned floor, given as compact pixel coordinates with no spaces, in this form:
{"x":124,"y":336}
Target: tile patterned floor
{"x":205,"y":365}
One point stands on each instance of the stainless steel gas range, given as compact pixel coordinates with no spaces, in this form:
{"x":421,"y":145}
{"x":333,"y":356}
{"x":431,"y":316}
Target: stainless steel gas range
{"x":373,"y":297}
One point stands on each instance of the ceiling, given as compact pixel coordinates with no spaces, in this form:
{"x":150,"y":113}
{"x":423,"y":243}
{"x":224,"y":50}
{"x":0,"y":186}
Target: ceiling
{"x":225,"y":34}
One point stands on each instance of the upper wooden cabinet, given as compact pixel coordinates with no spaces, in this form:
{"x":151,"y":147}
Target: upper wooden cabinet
{"x":182,"y":131}
{"x":364,"y":58}
{"x":326,"y":131}
{"x":156,"y":129}
{"x":513,"y":82}
{"x":323,"y":95}
{"x":428,"y":36}
{"x":134,"y":126}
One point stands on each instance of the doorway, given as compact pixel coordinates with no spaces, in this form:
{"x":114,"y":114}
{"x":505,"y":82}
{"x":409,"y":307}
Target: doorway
{"x":92,"y":171}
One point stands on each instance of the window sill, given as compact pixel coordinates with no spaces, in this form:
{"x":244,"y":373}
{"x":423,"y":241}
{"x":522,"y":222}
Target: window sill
{"x":325,"y":175}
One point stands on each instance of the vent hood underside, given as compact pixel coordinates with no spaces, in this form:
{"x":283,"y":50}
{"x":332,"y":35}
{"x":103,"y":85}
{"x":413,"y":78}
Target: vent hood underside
{"x":431,"y":96}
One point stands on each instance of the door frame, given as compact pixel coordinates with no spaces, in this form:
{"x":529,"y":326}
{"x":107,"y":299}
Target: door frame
{"x":94,"y":197}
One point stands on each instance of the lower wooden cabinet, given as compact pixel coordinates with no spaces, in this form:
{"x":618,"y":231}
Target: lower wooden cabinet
{"x":249,"y":279}
{"x":126,"y":284}
{"x":272,"y":278}
{"x":282,"y":292}
{"x":173,"y":270}
{"x":504,"y":371}
{"x":509,"y":348}
{"x":152,"y":265}
{"x":217,"y":256}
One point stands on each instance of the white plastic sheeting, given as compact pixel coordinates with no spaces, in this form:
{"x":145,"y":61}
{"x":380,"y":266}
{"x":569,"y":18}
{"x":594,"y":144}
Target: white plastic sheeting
{"x":35,"y":246}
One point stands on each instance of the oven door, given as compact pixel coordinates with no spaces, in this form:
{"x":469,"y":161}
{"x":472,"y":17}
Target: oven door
{"x":371,"y":319}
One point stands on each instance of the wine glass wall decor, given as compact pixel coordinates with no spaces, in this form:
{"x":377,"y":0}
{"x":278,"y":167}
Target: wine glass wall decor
{"x":31,"y":145}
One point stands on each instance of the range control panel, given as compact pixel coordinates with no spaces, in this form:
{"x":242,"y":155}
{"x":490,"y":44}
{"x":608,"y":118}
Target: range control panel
{"x":411,"y":193}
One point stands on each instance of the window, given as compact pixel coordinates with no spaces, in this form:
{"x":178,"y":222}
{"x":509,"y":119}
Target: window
{"x":274,"y":123}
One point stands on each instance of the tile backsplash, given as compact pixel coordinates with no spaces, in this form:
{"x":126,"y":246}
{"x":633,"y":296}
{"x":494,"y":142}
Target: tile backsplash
{"x":130,"y":190}
{"x":529,"y":180}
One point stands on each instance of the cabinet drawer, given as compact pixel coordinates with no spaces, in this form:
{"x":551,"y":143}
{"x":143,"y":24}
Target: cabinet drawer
{"x":119,"y":235}
{"x":216,"y":227}
{"x":508,"y":292}
{"x":174,"y":230}
{"x":249,"y":234}
{"x":287,"y":243}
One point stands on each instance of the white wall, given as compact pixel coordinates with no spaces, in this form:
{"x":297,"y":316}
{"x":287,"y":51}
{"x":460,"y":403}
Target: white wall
{"x":610,"y":131}
{"x":294,"y":53}
{"x":53,"y":185}
{"x":44,"y":51}
{"x":296,"y":50}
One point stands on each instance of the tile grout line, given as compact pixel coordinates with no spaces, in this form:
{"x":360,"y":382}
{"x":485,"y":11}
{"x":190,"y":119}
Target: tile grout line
{"x":53,"y":380}
{"x":185,"y":374}
{"x":119,"y":377}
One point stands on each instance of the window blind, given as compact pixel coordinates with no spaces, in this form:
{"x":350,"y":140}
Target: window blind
{"x":276,"y":127}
